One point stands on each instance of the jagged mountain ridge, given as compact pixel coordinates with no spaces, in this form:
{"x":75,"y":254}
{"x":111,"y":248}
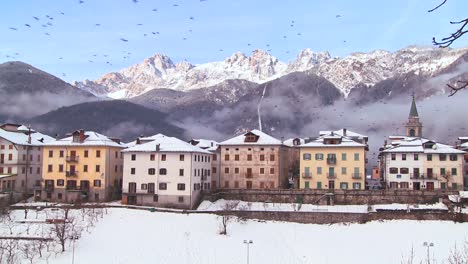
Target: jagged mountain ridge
{"x":345,"y":73}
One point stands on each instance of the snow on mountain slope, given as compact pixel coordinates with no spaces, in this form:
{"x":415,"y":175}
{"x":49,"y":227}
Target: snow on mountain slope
{"x":345,"y":73}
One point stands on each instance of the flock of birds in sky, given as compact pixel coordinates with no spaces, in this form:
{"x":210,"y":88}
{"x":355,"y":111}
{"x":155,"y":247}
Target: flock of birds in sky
{"x":47,"y":22}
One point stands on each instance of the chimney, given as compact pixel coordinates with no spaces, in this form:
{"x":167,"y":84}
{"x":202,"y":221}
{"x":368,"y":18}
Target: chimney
{"x":385,"y":143}
{"x":212,"y":144}
{"x":82,"y":135}
{"x":138,"y":141}
{"x":344,"y":131}
{"x":158,"y":147}
{"x":29,"y":134}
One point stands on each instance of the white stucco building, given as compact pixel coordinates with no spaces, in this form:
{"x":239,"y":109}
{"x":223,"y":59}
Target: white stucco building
{"x":21,"y":158}
{"x":211,"y":146}
{"x":165,"y":171}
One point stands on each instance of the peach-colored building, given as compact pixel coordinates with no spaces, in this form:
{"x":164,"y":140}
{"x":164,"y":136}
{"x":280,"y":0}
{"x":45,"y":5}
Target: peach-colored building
{"x":254,"y":160}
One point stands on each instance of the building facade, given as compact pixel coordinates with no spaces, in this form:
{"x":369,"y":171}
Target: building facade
{"x":254,"y":160}
{"x":21,"y":158}
{"x":165,"y":172}
{"x":85,"y":166}
{"x":333,"y":161}
{"x":213,"y":147}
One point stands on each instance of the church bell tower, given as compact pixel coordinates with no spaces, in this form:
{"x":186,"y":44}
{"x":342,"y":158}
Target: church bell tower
{"x":413,"y":126}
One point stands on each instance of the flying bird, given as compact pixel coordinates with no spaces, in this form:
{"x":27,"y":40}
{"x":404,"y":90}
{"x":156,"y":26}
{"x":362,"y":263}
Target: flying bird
{"x":338,"y":16}
{"x":62,"y":13}
{"x":140,"y":24}
{"x":97,"y":25}
{"x":27,"y":25}
{"x":36,"y":18}
{"x":13,"y":28}
{"x":135,"y":1}
{"x":175,"y":5}
{"x":154,"y":10}
{"x":81,"y":2}
{"x":299,"y":34}
{"x":124,"y":40}
{"x":47,"y":34}
{"x":192,"y":18}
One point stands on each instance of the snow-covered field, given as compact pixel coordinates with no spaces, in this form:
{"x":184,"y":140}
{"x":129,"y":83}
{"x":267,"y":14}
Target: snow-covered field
{"x":139,"y":236}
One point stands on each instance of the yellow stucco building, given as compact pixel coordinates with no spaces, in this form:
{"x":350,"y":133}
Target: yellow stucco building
{"x":86,"y":166}
{"x":335,"y":160}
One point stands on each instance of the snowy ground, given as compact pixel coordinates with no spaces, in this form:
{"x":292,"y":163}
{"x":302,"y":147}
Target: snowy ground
{"x":139,"y":236}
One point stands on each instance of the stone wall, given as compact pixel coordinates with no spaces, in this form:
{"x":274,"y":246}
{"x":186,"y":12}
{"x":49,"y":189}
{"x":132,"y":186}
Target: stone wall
{"x":331,"y":197}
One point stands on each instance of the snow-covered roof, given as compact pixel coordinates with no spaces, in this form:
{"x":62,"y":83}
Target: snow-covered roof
{"x":319,"y":143}
{"x":166,"y":144}
{"x":416,"y":144}
{"x":207,"y":144}
{"x":351,"y":139}
{"x":21,"y":137}
{"x":263,"y":139}
{"x":144,"y":140}
{"x":91,"y":139}
{"x":290,"y":142}
{"x":343,"y":132}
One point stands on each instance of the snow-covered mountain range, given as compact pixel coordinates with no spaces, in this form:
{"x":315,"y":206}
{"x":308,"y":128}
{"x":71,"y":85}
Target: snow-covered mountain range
{"x":159,"y":71}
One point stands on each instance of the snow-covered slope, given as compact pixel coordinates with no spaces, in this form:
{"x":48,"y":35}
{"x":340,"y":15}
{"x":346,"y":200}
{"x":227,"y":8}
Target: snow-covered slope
{"x":345,"y":73}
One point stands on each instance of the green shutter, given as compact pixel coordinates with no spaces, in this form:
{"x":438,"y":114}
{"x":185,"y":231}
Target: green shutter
{"x":306,"y":184}
{"x":454,"y":186}
{"x":319,"y":185}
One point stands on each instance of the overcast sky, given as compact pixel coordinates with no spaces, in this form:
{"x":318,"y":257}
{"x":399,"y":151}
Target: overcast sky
{"x":73,"y":47}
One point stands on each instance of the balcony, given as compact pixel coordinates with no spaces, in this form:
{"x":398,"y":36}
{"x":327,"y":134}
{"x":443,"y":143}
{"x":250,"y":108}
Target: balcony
{"x":417,"y":176}
{"x":71,"y":173}
{"x":307,"y":175}
{"x":72,"y":188}
{"x":72,"y":158}
{"x":248,"y":175}
{"x":431,"y":176}
{"x":331,"y":161}
{"x":357,"y":176}
{"x":84,"y":188}
{"x":331,"y":175}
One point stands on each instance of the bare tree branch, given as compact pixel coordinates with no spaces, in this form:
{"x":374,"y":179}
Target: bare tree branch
{"x":455,"y":89}
{"x":447,"y":41}
{"x":441,"y":4}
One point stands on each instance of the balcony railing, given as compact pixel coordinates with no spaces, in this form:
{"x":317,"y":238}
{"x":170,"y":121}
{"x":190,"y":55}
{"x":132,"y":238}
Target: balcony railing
{"x":416,"y":176}
{"x":331,"y":161}
{"x":331,"y":175}
{"x":357,"y":176}
{"x":307,"y":175}
{"x":431,"y":176}
{"x":84,"y":188}
{"x":248,"y":175}
{"x":71,"y":173}
{"x":72,"y":158}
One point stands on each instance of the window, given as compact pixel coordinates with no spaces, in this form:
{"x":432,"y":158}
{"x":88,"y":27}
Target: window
{"x":344,"y":185}
{"x":236,"y":170}
{"x":305,"y":156}
{"x":162,"y":186}
{"x":181,"y":157}
{"x":356,"y":156}
{"x":60,"y":182}
{"x":10,"y":156}
{"x":49,"y":168}
{"x":155,"y":198}
{"x":61,"y":153}
{"x":144,"y":186}
{"x":133,"y":156}
{"x":98,"y":153}
{"x":319,"y":170}
{"x":404,"y":170}
{"x":249,"y":157}
{"x":163,"y":157}
{"x":262,"y":170}
{"x":343,"y":156}
{"x":306,"y":184}
{"x":226,"y":184}
{"x":181,"y":199}
{"x":343,"y":170}
{"x":213,"y":169}
{"x":319,"y":185}
{"x":116,"y":154}
{"x":97,"y":183}
{"x":61,"y":168}
{"x":162,"y":171}
{"x":151,"y":171}
{"x":181,"y":172}
{"x":226,"y":157}
{"x":404,"y":185}
{"x":51,"y":153}
{"x":453,"y":157}
{"x":181,"y":186}
{"x":236,"y":157}
{"x":215,"y":157}
{"x":116,"y":168}
{"x":152,"y":157}
{"x":151,"y":187}
{"x":416,"y":157}
{"x":318,"y":156}
{"x":132,"y":187}
{"x":24,"y":156}
{"x":442,"y":171}
{"x":85,"y":153}
{"x":454,"y":186}
{"x":85,"y":168}
{"x":132,"y":171}
{"x":59,"y":196}
{"x":226,"y":170}
{"x":98,"y":168}
{"x":356,"y":185}
{"x":442,"y":157}
{"x":23,"y":170}
{"x":272,"y":157}
{"x":454,"y":171}
{"x":272,"y":170}
{"x":393,"y":170}
{"x":429,"y":157}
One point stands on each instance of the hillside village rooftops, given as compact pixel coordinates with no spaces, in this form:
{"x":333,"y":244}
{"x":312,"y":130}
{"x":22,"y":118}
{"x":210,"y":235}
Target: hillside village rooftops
{"x":88,"y":138}
{"x":254,"y":137}
{"x":21,"y":137}
{"x":162,"y":143}
{"x":418,"y":145}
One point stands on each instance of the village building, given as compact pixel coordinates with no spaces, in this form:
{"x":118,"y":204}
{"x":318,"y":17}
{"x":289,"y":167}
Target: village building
{"x":84,"y":166}
{"x":417,"y":163}
{"x":213,"y":147}
{"x":463,"y":145}
{"x":254,"y":160}
{"x":21,"y":158}
{"x":166,"y":172}
{"x":334,"y":160}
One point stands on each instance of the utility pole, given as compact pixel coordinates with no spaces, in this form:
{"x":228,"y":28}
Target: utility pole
{"x":248,"y":242}
{"x":428,"y":245}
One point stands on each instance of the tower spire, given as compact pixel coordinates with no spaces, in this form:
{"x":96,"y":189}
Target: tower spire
{"x":413,"y":110}
{"x":413,"y":126}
